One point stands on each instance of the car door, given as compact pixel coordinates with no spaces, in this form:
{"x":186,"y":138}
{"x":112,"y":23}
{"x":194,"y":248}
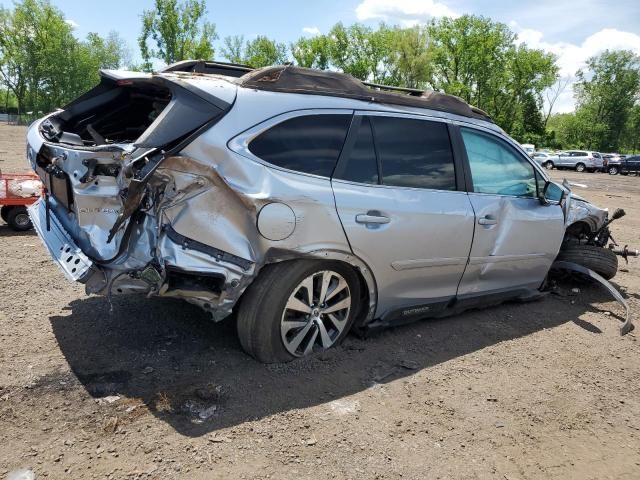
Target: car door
{"x":403,"y":208}
{"x":564,"y":159}
{"x":632,"y":165}
{"x":516,"y":237}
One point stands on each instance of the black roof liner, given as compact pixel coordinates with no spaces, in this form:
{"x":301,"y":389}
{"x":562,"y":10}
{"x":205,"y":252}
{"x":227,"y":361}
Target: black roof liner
{"x":293,"y":79}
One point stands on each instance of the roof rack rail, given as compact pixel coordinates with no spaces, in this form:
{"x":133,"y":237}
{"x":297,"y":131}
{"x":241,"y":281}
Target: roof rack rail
{"x":414,"y":92}
{"x":238,"y":69}
{"x":208,"y":67}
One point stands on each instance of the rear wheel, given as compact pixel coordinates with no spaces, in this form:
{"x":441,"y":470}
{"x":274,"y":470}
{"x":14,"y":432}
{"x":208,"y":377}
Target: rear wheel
{"x":548,"y":165}
{"x":18,"y":219}
{"x":613,"y":170}
{"x":294,"y":309}
{"x":580,"y":167}
{"x":601,"y":260}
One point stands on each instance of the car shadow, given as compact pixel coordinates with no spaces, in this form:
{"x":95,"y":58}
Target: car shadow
{"x":6,"y":231}
{"x":192,"y":373}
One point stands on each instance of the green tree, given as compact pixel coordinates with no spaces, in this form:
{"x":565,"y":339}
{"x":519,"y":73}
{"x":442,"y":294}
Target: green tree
{"x":477,"y":59}
{"x":357,"y":50}
{"x":178,"y":31}
{"x":312,"y":52}
{"x":34,"y":43}
{"x":631,"y":138}
{"x":408,"y":61}
{"x":42,"y":64}
{"x":259,"y":52}
{"x":606,"y":93}
{"x":262,"y":51}
{"x":233,"y":49}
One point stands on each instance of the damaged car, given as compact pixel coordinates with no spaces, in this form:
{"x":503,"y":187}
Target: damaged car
{"x":307,"y":203}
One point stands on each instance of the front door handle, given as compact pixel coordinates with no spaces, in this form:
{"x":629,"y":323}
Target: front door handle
{"x":368,"y":218}
{"x":487,"y":220}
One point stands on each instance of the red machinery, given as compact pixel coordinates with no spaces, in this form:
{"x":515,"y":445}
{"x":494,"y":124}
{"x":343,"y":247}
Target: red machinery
{"x":17,"y":191}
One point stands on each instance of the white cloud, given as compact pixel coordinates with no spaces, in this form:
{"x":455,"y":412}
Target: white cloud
{"x":311,"y":30}
{"x":572,"y":57}
{"x":407,"y":12}
{"x":71,"y":23}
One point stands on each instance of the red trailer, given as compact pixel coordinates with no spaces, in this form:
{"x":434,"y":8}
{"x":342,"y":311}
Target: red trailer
{"x":17,"y":191}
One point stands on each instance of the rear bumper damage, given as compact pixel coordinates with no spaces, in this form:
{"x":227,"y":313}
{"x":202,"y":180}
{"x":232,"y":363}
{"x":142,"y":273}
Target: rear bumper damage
{"x":203,"y":275}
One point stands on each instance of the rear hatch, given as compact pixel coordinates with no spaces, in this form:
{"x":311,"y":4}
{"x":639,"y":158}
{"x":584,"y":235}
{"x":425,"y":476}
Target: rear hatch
{"x":97,"y":154}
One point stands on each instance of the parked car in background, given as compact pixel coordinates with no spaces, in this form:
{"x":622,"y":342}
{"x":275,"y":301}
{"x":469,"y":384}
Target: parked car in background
{"x":529,"y":148}
{"x":580,"y":160}
{"x":625,"y":166}
{"x":611,"y":160}
{"x":544,"y":159}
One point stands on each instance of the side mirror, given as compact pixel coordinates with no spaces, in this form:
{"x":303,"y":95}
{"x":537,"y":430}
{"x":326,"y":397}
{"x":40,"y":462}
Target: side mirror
{"x":552,"y":194}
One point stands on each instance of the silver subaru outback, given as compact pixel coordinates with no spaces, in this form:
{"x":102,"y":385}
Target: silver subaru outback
{"x":307,"y":203}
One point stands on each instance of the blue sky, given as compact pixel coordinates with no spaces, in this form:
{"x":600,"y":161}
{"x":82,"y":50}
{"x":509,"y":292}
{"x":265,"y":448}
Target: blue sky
{"x":572,"y":29}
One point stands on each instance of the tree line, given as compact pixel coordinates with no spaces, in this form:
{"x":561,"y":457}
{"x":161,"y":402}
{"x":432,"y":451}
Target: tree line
{"x":43,"y":66}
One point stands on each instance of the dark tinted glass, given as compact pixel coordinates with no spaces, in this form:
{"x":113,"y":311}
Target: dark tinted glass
{"x":362,"y":166}
{"x":309,"y":144}
{"x":414,"y":153}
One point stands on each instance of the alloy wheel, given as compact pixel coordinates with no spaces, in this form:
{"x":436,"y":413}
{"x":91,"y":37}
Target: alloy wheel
{"x":316,"y":313}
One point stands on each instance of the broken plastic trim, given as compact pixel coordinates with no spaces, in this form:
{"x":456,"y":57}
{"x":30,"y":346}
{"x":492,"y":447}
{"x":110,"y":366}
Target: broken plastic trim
{"x":627,"y":325}
{"x":218,"y":254}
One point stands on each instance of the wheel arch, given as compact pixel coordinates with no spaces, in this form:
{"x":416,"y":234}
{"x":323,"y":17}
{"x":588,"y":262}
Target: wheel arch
{"x":363,"y":271}
{"x":581,"y":227}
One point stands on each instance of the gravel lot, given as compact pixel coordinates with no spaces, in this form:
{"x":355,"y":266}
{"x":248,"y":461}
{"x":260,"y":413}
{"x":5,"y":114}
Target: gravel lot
{"x":148,"y":388}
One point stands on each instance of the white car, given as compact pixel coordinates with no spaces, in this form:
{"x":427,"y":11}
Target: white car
{"x":547,"y":160}
{"x":580,"y":160}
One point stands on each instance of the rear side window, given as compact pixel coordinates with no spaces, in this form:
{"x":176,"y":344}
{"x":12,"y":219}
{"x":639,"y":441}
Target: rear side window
{"x":309,"y":144}
{"x":414,"y":153}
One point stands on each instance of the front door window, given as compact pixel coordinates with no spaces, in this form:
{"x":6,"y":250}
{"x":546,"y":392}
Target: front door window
{"x":496,"y":168}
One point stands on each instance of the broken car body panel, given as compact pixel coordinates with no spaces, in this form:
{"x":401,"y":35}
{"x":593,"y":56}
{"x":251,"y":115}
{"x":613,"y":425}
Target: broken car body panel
{"x":208,"y":214}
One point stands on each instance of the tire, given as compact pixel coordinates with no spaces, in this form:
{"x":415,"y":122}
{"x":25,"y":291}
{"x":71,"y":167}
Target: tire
{"x":613,"y":170}
{"x":601,"y":260}
{"x":548,"y":165}
{"x":580,"y":167}
{"x":18,"y":219}
{"x":263,"y":308}
{"x":4,"y":212}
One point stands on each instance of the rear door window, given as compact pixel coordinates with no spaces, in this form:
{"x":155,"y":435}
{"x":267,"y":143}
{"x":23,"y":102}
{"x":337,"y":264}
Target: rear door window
{"x":414,"y":153}
{"x":307,"y":144}
{"x":362,"y":165}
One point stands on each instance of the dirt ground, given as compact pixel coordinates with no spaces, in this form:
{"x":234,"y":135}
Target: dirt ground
{"x":148,"y":388}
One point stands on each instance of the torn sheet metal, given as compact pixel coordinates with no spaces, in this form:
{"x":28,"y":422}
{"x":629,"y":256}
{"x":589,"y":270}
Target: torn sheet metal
{"x":579,"y":210}
{"x":627,"y":326}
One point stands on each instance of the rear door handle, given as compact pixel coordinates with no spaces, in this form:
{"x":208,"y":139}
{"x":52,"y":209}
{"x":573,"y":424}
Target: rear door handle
{"x":487,"y":220}
{"x":372,"y":219}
